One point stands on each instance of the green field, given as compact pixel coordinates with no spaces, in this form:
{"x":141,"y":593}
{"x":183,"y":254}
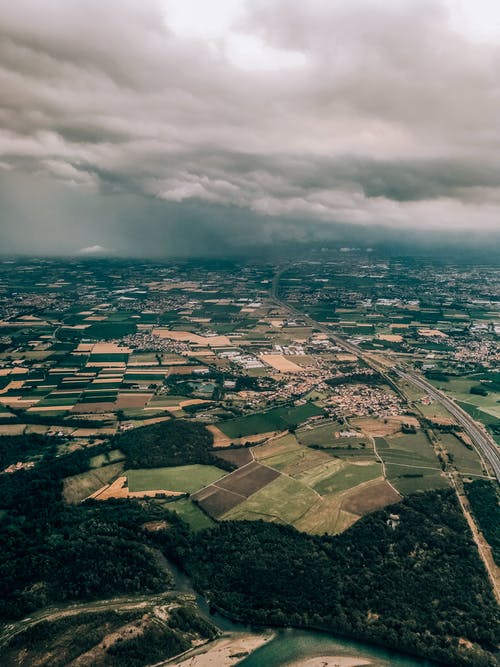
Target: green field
{"x":459,"y":389}
{"x":319,"y":435}
{"x":191,"y":513}
{"x":463,"y":458}
{"x":410,"y":449}
{"x":277,"y":419}
{"x":410,"y":480}
{"x":79,"y":487}
{"x":284,"y":500}
{"x":281,"y":445}
{"x":188,"y":478}
{"x":480,"y":415}
{"x":100,"y":460}
{"x":346,"y":477}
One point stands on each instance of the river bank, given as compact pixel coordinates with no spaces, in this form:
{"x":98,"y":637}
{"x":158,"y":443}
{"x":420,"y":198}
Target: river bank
{"x":225,"y":651}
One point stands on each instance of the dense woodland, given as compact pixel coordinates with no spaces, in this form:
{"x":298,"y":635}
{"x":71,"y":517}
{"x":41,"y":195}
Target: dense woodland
{"x":141,"y":638}
{"x":485,"y":503}
{"x":169,"y":443}
{"x":14,"y":448}
{"x":54,"y":552}
{"x":419,"y":587}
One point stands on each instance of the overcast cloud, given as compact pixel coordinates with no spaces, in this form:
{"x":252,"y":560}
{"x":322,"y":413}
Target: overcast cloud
{"x":121,"y":119}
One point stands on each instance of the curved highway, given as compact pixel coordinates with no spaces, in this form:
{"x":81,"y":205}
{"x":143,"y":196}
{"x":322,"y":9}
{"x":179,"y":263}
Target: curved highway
{"x":478,"y":434}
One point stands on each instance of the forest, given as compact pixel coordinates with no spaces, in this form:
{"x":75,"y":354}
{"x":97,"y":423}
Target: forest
{"x":55,"y":552}
{"x":485,"y":503}
{"x":419,"y":587}
{"x":170,"y":443}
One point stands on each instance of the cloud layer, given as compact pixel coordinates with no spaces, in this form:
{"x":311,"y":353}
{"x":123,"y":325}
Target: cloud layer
{"x":359,"y":112}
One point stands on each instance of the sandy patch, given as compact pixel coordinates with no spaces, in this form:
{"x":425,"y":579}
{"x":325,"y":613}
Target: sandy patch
{"x":89,"y":432}
{"x":12,"y":429}
{"x":387,"y":426}
{"x":106,"y":364}
{"x":220,"y":438}
{"x":119,"y":489}
{"x":330,"y":661}
{"x":188,"y":337}
{"x":391,"y":338}
{"x":281,"y":363}
{"x":432,"y":333}
{"x":153,"y":420}
{"x":110,"y":348}
{"x":346,"y":357}
{"x":224,"y":652}
{"x":13,"y":384}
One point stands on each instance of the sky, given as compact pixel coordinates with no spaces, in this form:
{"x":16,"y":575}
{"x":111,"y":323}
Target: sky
{"x":165,"y":127}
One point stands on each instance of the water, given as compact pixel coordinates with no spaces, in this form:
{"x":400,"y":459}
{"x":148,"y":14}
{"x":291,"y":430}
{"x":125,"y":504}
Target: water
{"x":290,"y":645}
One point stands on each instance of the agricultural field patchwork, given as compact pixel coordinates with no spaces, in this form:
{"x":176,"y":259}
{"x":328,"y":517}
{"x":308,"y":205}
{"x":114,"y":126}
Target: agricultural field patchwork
{"x":292,"y":411}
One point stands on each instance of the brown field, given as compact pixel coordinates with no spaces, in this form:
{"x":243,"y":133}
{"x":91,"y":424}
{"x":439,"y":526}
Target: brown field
{"x":222,"y":440}
{"x":281,"y":363}
{"x":89,"y":432}
{"x":188,"y":337}
{"x":231,"y":490}
{"x":377,"y":427}
{"x":392,"y":338}
{"x":89,"y":407}
{"x":239,"y":457}
{"x":308,"y":458}
{"x":286,"y":443}
{"x":248,"y":480}
{"x":79,"y":487}
{"x":50,"y":408}
{"x":153,"y":420}
{"x":132,"y":400}
{"x":12,"y":429}
{"x":304,"y":360}
{"x":184,"y":370}
{"x":119,"y":489}
{"x":369,"y":496}
{"x":110,"y":348}
{"x":432,"y":333}
{"x":345,"y":357}
{"x":326,"y":516}
{"x":215,"y":501}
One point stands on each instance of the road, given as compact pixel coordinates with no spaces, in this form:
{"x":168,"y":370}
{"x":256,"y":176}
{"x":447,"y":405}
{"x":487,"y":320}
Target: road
{"x":481,"y":439}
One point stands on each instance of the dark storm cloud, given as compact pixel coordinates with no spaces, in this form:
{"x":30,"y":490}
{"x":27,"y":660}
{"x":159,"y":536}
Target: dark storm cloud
{"x":390,"y":120}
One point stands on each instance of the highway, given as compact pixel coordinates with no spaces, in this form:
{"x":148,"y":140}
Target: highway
{"x":477,"y":433}
{"x":479,"y":436}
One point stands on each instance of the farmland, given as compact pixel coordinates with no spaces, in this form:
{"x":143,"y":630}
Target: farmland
{"x":188,"y":478}
{"x":272,"y":420}
{"x":192,"y":388}
{"x":269,"y":503}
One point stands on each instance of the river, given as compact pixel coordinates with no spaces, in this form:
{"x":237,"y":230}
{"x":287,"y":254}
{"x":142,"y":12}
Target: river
{"x":291,"y":645}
